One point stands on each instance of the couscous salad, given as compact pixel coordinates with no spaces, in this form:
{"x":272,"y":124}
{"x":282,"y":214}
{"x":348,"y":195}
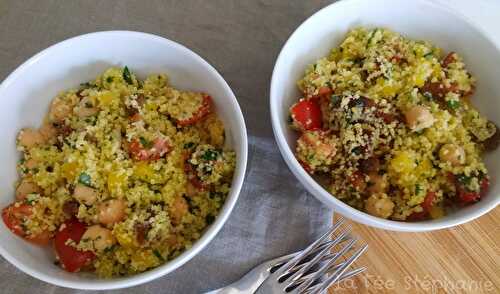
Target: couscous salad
{"x":122,"y":176}
{"x":387,"y":124}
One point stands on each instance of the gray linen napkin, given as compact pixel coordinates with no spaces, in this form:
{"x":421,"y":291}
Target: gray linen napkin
{"x":273,"y":216}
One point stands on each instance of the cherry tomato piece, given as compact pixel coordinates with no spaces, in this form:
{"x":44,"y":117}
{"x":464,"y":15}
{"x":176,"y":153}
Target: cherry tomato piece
{"x":485,"y":184}
{"x":204,"y":110}
{"x":159,"y":147}
{"x":13,"y":217}
{"x":306,"y":167}
{"x":426,"y":206}
{"x":306,"y":115}
{"x":468,"y":197}
{"x":72,"y":259}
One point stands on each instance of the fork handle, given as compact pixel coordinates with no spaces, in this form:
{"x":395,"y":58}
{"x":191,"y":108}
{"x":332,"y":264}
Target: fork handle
{"x":250,"y":282}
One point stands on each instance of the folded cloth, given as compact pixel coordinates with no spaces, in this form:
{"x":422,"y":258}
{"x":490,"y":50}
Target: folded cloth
{"x":274,"y":216}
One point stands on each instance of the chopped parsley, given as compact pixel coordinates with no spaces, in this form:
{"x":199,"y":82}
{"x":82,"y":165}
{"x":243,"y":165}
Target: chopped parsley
{"x":372,"y":34}
{"x":428,"y":96}
{"x":210,"y":155}
{"x":158,"y":255}
{"x":335,"y":99}
{"x":88,"y":85}
{"x":463,"y":179}
{"x":453,"y":104}
{"x":418,"y":189}
{"x":209,"y":219}
{"x":127,"y":76}
{"x":188,"y":145}
{"x":109,"y":79}
{"x":357,"y":150}
{"x":109,"y":249}
{"x":145,"y":143}
{"x":428,"y":55}
{"x":84,"y":179}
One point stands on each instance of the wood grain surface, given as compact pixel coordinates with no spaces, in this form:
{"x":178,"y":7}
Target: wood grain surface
{"x":464,"y":259}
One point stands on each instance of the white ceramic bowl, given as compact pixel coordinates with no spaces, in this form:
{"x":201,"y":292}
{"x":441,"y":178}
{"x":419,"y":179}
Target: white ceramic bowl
{"x":415,"y":19}
{"x":24,"y":100}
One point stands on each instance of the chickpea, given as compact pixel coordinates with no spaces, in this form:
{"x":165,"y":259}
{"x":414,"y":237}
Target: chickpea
{"x":27,"y":186}
{"x":111,"y":211}
{"x":31,"y":163}
{"x":178,"y":209}
{"x":376,"y":184}
{"x":418,"y":118}
{"x":85,"y":194}
{"x":30,"y":138}
{"x":379,"y":205}
{"x":320,"y":144}
{"x":86,"y":108}
{"x":59,"y":110}
{"x":191,"y":190}
{"x":100,"y":237}
{"x":453,"y":154}
{"x":48,"y":131}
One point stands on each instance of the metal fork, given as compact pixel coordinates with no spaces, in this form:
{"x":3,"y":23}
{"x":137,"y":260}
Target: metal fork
{"x":317,"y":267}
{"x":312,"y":270}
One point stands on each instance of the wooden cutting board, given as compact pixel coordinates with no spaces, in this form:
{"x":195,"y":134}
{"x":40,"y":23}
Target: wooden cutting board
{"x":464,"y":259}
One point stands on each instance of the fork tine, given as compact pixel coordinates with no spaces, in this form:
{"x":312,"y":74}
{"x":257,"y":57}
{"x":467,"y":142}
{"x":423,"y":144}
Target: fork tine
{"x":339,"y":272}
{"x":302,"y":287}
{"x":316,"y":288}
{"x":299,"y":257}
{"x":326,"y":249}
{"x":313,"y":252}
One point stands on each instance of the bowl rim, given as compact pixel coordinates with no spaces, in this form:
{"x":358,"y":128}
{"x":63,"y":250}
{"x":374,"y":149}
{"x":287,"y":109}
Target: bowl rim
{"x":210,"y":232}
{"x":315,"y":188}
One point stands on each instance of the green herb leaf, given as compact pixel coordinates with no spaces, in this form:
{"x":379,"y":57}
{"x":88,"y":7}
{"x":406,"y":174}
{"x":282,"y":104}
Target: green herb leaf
{"x":145,"y":143}
{"x":127,"y":76}
{"x":453,"y":104}
{"x":109,"y":79}
{"x":428,"y":55}
{"x":158,"y":255}
{"x":188,"y":145}
{"x":335,"y":100}
{"x":109,"y":249}
{"x":210,"y":155}
{"x":463,"y":179}
{"x":87,"y":85}
{"x":209,"y":219}
{"x":428,"y":96}
{"x":418,"y":189}
{"x":372,"y":34}
{"x":84,"y":179}
{"x":357,"y":150}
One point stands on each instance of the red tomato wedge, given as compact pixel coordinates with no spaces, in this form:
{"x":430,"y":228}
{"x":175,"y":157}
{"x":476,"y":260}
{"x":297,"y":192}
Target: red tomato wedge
{"x":72,"y":260}
{"x":13,"y":217}
{"x":306,"y":115}
{"x":426,"y":206}
{"x":323,"y":91}
{"x":468,"y":197}
{"x":306,"y":167}
{"x":139,"y":152}
{"x":485,"y":184}
{"x":204,"y":110}
{"x":160,"y":148}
